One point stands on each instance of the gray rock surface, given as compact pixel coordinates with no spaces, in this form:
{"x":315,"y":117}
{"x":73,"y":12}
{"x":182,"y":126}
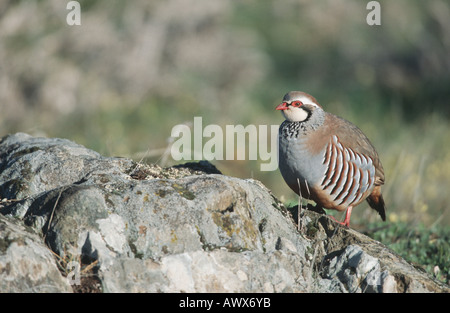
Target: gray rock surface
{"x":26,"y":264}
{"x":112,"y":225}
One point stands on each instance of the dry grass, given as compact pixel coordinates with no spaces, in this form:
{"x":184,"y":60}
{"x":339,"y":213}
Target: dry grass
{"x":82,"y":274}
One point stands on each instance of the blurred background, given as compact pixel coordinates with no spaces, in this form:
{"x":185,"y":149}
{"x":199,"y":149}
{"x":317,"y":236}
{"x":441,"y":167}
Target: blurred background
{"x":134,"y":69}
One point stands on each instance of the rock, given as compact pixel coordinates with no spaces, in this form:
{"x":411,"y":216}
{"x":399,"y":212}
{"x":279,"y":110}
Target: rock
{"x":26,"y":264}
{"x":362,"y":271}
{"x":120,"y":226}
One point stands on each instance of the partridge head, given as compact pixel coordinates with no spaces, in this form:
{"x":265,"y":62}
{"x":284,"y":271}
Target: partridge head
{"x":327,"y":159}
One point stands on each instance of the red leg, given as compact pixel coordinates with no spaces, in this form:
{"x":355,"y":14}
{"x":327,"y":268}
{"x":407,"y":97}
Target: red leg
{"x":346,"y":221}
{"x":348,"y":213}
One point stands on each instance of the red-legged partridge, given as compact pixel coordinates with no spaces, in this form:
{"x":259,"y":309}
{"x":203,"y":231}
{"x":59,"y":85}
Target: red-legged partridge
{"x":327,"y":159}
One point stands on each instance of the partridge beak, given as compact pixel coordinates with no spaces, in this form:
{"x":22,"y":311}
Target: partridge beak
{"x":282,"y":106}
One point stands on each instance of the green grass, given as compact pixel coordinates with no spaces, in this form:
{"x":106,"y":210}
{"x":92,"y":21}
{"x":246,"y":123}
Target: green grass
{"x":427,"y":247}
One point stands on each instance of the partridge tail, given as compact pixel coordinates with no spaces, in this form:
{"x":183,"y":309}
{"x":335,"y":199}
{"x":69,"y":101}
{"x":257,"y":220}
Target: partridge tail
{"x":376,"y":202}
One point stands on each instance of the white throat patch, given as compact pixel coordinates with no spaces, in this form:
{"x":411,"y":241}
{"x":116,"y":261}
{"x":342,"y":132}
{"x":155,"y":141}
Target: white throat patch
{"x":293,"y":114}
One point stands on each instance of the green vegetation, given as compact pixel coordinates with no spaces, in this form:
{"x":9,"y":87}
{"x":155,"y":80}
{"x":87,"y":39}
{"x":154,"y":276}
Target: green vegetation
{"x":428,"y":248}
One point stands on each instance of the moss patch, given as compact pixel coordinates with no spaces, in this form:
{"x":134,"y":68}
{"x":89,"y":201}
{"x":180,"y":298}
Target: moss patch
{"x":182,"y":191}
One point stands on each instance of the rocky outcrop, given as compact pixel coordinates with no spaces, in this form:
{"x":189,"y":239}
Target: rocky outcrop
{"x":73,"y":220}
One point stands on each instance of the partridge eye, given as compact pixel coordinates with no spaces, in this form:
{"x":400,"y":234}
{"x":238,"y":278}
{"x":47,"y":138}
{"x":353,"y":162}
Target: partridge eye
{"x":296,"y":103}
